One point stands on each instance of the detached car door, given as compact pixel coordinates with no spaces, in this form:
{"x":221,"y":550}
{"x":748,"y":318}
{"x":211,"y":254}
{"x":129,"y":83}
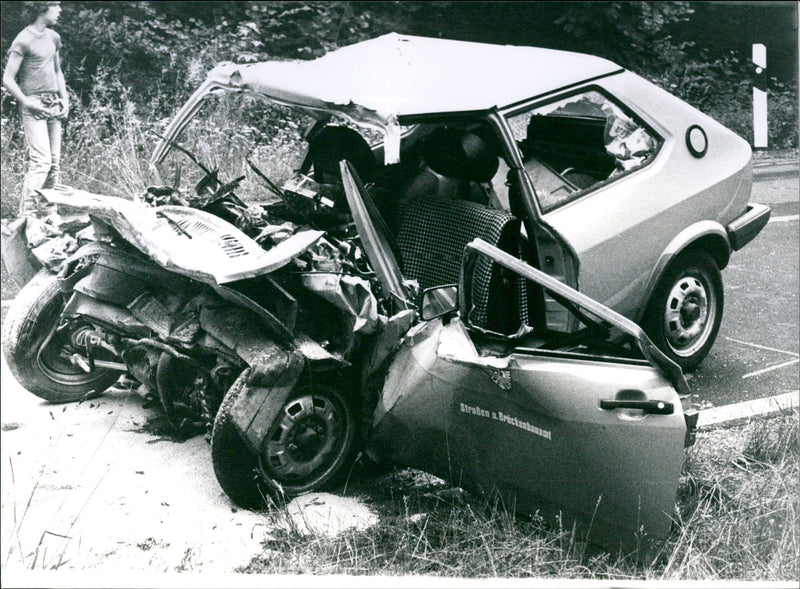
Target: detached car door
{"x":595,"y":439}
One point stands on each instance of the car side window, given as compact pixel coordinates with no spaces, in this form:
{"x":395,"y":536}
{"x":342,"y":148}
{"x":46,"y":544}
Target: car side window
{"x":575,"y":144}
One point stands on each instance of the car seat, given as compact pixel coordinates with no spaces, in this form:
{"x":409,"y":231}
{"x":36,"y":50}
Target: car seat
{"x":453,"y":164}
{"x":432,"y":238}
{"x":464,"y":161}
{"x":331,"y":144}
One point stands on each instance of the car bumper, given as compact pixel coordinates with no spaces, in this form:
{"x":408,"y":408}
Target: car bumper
{"x":690,"y":416}
{"x":742,"y":230}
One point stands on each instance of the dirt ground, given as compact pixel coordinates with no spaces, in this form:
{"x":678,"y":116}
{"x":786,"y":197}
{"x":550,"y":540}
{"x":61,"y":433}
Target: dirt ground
{"x":135,"y":500}
{"x":99,"y":489}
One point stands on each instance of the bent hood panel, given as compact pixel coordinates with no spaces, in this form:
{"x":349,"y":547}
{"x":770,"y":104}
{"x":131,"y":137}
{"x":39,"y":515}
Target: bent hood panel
{"x":187,"y":241}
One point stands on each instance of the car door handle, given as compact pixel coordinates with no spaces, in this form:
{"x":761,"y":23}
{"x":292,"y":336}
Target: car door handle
{"x":647,"y":406}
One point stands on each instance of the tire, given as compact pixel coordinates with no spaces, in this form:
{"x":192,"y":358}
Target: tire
{"x":312,"y":444}
{"x":685,"y":312}
{"x":235,"y":464}
{"x":41,"y":369}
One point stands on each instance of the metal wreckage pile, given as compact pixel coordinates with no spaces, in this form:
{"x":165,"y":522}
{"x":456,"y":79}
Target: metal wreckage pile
{"x":338,"y":304}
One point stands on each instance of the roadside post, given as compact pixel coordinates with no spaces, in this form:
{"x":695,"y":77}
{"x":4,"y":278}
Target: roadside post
{"x":760,"y":96}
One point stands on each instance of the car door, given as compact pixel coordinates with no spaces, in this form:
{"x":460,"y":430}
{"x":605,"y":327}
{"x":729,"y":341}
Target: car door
{"x":566,"y":433}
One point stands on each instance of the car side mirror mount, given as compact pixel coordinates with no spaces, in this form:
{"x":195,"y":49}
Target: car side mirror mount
{"x":438,"y":301}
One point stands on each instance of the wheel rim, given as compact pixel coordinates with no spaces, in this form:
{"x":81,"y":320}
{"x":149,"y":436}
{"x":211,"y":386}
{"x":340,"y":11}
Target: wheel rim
{"x":689,"y":314}
{"x":307,"y":441}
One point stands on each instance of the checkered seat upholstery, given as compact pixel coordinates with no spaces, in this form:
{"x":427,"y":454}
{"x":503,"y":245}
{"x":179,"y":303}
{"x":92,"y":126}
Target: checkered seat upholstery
{"x":431,"y":240}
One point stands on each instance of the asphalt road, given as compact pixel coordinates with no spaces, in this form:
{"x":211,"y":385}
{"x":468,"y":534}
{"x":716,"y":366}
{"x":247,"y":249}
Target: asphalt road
{"x":756,"y":352}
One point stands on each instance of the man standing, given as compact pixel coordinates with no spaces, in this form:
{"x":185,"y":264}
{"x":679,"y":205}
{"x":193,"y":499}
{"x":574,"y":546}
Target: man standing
{"x":33,"y":76}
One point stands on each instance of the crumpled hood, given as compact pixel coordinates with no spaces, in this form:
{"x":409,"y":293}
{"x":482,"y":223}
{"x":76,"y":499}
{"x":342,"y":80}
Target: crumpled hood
{"x":185,"y":240}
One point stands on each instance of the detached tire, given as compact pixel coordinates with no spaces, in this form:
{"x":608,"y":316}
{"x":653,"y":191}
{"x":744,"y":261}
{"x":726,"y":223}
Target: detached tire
{"x":36,"y":361}
{"x":685,"y":312}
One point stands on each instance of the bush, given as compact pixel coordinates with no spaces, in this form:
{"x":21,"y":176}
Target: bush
{"x":723,"y":89}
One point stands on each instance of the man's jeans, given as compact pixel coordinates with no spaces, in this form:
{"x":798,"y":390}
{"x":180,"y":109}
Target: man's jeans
{"x":43,"y":137}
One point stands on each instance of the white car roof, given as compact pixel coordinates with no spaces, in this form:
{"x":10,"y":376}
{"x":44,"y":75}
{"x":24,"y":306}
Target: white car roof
{"x":375,"y":82}
{"x":395,"y":75}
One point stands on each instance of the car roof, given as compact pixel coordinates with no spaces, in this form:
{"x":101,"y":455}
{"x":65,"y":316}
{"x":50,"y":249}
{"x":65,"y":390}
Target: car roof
{"x":401,"y":75}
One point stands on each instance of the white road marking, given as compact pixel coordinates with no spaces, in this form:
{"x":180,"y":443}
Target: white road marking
{"x":747,"y":409}
{"x":784,"y":219}
{"x":730,"y":339}
{"x":771,"y":368}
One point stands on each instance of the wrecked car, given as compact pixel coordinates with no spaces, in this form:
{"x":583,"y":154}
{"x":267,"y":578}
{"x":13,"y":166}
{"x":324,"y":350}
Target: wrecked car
{"x":623,"y":191}
{"x":451,"y":277}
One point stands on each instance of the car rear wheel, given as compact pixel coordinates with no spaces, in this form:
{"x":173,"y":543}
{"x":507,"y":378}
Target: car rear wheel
{"x":685,"y":313}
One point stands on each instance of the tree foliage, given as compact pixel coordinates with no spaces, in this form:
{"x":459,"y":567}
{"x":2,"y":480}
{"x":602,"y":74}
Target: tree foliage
{"x":629,"y":33}
{"x":145,"y":51}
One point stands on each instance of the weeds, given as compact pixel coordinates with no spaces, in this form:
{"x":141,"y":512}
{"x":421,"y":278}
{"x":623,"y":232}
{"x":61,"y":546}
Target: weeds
{"x":736,"y":518}
{"x":428,"y":528}
{"x":743,"y":524}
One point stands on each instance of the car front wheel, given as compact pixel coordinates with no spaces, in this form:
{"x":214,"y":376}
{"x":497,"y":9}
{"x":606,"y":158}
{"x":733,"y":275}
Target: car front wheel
{"x":310,"y":446}
{"x":312,"y":443}
{"x":685,"y":313}
{"x":38,"y":350}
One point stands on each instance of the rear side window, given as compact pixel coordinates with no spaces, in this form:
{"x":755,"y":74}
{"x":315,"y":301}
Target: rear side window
{"x":575,"y":144}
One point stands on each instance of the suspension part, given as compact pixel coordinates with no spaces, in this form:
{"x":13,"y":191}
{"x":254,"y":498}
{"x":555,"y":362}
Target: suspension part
{"x":86,"y":338}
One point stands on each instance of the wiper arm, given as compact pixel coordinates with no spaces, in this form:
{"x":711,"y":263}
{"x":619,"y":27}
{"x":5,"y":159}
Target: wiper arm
{"x":189,"y":154}
{"x":280,"y":194}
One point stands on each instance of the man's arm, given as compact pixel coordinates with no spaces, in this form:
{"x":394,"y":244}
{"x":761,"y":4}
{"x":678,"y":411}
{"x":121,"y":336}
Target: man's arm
{"x":10,"y":82}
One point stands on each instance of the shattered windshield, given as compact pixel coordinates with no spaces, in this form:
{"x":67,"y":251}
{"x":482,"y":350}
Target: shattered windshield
{"x":229,"y":129}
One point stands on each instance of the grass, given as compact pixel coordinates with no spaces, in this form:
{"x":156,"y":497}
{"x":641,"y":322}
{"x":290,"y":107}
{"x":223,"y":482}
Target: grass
{"x":736,"y":519}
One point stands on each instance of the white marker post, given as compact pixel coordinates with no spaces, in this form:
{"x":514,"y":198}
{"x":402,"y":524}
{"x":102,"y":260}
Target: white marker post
{"x":760,"y":128}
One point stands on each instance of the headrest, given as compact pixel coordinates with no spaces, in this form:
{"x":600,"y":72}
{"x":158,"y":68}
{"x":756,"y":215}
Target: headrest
{"x":331,"y":144}
{"x":460,"y":154}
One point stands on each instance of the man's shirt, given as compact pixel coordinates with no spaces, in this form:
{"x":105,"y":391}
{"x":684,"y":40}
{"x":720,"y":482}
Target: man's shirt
{"x":37,"y":72}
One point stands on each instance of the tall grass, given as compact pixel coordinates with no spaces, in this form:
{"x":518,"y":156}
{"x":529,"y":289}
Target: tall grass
{"x":736,"y":519}
{"x":104,"y":149}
